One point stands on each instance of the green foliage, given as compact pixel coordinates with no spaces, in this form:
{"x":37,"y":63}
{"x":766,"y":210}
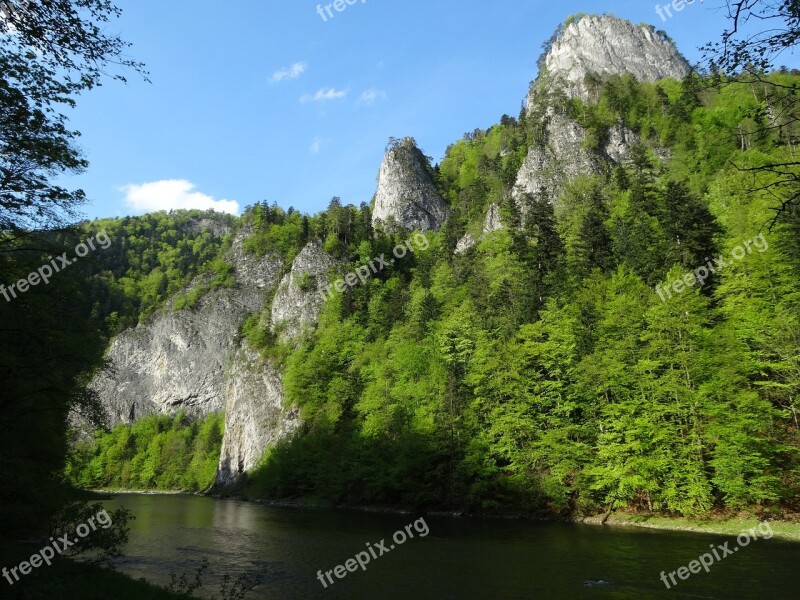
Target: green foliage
{"x":481,"y":169}
{"x":573,"y":18}
{"x":155,"y":453}
{"x":275,"y":231}
{"x":50,"y":51}
{"x":541,"y":370}
{"x":219,"y":274}
{"x":155,"y":257}
{"x":50,"y":339}
{"x":50,"y":349}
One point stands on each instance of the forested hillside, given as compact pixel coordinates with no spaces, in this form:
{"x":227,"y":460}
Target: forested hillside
{"x":590,"y":306}
{"x":541,"y":370}
{"x":546,"y":368}
{"x":54,"y":336}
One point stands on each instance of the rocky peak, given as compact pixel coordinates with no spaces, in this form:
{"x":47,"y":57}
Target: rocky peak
{"x":606,"y":46}
{"x":300,"y":296}
{"x":407,"y":197}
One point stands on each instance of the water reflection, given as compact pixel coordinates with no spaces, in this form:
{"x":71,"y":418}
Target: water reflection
{"x":459,"y":559}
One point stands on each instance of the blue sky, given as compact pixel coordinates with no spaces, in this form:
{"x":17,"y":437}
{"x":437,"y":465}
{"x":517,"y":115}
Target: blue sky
{"x":256,"y":100}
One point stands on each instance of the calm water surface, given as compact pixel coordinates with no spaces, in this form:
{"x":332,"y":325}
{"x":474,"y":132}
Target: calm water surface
{"x":458,"y":559}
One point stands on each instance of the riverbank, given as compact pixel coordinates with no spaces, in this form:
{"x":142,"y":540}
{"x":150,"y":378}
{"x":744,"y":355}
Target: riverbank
{"x":784,"y":528}
{"x":70,"y":580}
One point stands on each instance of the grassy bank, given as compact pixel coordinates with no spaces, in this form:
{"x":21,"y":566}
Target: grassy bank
{"x":70,"y":580}
{"x":786,"y":530}
{"x":784,"y":527}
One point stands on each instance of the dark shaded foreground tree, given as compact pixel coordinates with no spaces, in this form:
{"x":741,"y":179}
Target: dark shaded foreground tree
{"x":49,"y":347}
{"x":50,"y":51}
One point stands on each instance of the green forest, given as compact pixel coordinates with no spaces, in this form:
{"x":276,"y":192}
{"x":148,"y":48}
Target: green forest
{"x":541,"y":371}
{"x":625,"y":340}
{"x":156,"y":452}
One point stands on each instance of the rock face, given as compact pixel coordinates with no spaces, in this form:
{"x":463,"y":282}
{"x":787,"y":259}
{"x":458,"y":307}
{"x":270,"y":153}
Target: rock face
{"x":605,"y":45}
{"x":254,"y":415}
{"x":559,"y":158}
{"x":193,"y":359}
{"x":600,"y":46}
{"x":298,"y":300}
{"x":491,"y":223}
{"x":562,"y":156}
{"x":177,"y":359}
{"x":618,"y":143}
{"x":407,"y":197}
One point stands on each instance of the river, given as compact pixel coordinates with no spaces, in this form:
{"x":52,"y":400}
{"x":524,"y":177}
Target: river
{"x":446,"y":558}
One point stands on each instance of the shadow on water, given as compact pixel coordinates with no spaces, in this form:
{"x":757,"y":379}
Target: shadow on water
{"x":458,"y":559}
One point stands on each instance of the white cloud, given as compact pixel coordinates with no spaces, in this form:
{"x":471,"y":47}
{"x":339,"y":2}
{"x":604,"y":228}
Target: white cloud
{"x":169,"y":194}
{"x":324,"y":95}
{"x":318,"y":144}
{"x":370,"y":96}
{"x":292,"y":72}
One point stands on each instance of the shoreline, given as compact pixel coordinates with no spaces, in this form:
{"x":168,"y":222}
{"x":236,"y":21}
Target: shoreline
{"x":783,"y":528}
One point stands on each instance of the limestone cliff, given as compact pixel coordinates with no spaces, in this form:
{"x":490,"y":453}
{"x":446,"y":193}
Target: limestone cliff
{"x":178,"y":359}
{"x":298,"y":300}
{"x":255,"y":417}
{"x":561,"y":156}
{"x":589,"y":48}
{"x":606,"y":45}
{"x":407,"y":197}
{"x":491,"y":223}
{"x":194,"y":360}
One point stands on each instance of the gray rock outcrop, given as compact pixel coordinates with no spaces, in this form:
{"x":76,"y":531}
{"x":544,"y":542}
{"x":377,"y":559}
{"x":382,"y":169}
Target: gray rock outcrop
{"x":491,"y":223}
{"x":255,"y":417}
{"x":299,"y":298}
{"x":562,"y":157}
{"x":601,"y":46}
{"x":177,"y":359}
{"x":407,"y":197}
{"x":606,"y":45}
{"x":194,"y":360}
